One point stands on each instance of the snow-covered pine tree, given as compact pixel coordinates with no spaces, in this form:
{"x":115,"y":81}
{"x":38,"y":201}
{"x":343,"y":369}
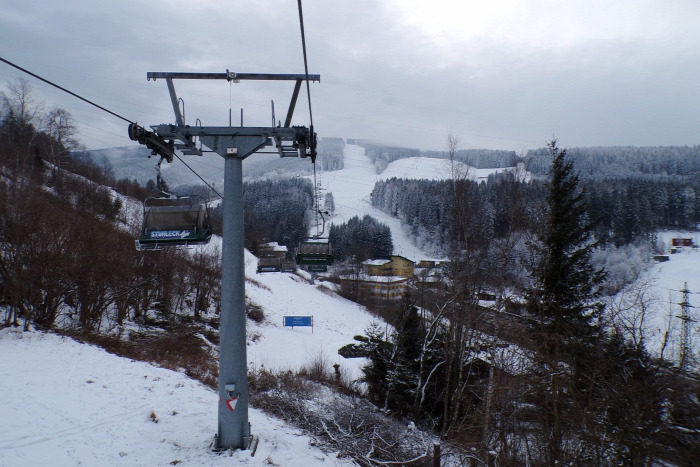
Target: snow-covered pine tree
{"x":564,"y":296}
{"x":564,"y":302}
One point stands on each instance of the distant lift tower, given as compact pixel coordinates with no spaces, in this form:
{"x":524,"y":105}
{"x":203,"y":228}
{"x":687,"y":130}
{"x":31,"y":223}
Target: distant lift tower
{"x":233,"y":144}
{"x":686,"y":350}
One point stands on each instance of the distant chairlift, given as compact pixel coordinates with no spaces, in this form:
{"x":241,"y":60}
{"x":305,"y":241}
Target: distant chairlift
{"x":275,"y":264}
{"x":316,"y":253}
{"x":174,"y":221}
{"x":269,"y":264}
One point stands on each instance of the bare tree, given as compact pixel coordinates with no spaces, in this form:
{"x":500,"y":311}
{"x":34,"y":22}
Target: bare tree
{"x":205,"y":271}
{"x":453,"y":142}
{"x":21,"y":102}
{"x":671,"y":330}
{"x":629,"y":311}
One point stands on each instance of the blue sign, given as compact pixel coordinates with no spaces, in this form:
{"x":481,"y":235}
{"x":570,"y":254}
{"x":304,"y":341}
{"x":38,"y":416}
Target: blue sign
{"x":298,"y":321}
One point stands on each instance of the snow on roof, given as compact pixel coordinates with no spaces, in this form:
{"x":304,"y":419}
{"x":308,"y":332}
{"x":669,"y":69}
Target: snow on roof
{"x":367,"y":278}
{"x":274,"y":246}
{"x":376,"y":262}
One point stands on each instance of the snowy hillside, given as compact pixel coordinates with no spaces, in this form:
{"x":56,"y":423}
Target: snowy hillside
{"x":69,"y":404}
{"x":335,"y":321}
{"x":351,"y":188}
{"x":72,"y":403}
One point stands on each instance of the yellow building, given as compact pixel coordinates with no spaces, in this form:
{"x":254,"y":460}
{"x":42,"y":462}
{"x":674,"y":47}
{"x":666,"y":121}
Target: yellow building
{"x":402,"y":267}
{"x":377,"y":267}
{"x":389,"y":287}
{"x":396,"y":266}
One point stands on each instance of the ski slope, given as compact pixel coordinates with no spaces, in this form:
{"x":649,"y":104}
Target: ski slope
{"x":352,"y":186}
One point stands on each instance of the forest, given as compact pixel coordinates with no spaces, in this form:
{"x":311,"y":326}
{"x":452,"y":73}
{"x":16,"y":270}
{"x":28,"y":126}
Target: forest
{"x":360,"y":239}
{"x":664,"y":163}
{"x":621,"y":211}
{"x":276,"y":210}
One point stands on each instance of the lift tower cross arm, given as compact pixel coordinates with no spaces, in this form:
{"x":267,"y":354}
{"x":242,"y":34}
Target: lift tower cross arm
{"x":290,"y":142}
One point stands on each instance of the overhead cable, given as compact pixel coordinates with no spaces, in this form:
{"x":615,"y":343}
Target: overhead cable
{"x":64,"y":89}
{"x":101,"y":108}
{"x":198,"y":176}
{"x":306,"y":66}
{"x":308,"y":98}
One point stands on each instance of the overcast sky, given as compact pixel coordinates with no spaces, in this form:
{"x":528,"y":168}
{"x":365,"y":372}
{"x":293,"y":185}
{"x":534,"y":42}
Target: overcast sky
{"x":499,"y":74}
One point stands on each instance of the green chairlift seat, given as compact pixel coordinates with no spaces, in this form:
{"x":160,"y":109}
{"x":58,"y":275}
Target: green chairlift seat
{"x":176,"y":221}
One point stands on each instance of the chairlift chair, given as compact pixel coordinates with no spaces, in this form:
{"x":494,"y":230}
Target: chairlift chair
{"x":174,"y":221}
{"x":269,"y":264}
{"x":315,"y":252}
{"x":289,"y":266}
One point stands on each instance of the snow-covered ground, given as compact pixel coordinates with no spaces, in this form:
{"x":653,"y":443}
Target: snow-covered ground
{"x":67,"y":404}
{"x":335,"y":322}
{"x":668,"y":279}
{"x":74,"y":404}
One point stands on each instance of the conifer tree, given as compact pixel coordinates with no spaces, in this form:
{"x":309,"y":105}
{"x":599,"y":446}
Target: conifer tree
{"x":564,"y":302}
{"x":566,"y":288}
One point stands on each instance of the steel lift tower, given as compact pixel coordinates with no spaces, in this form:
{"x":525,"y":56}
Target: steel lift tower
{"x":233,"y":144}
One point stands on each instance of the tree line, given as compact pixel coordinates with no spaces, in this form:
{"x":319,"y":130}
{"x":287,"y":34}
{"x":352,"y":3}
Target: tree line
{"x":601,"y":162}
{"x":426,"y":207}
{"x":620,"y":162}
{"x":621,"y":211}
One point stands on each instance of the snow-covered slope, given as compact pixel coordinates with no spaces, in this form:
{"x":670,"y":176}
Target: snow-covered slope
{"x":352,"y":186}
{"x":70,"y":404}
{"x":335,"y":321}
{"x":74,"y":404}
{"x":67,"y":404}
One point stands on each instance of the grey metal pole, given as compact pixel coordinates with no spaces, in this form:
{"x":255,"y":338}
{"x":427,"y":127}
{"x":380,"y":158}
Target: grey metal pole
{"x":233,"y":429}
